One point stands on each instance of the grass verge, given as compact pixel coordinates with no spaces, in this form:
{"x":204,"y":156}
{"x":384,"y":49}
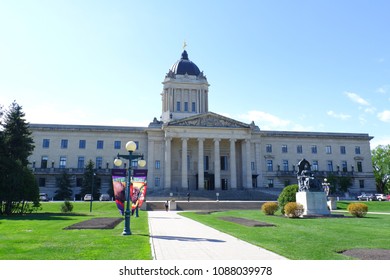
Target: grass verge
{"x":41,"y":236}
{"x":307,"y":239}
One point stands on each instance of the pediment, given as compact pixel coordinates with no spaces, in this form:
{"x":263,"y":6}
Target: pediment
{"x":208,"y":120}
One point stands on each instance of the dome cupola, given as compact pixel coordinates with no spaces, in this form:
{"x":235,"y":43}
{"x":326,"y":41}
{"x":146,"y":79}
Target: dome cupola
{"x":185,"y":66}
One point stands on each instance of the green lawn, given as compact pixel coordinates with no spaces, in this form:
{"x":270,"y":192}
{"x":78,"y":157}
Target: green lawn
{"x":308,"y":239}
{"x":41,"y":236}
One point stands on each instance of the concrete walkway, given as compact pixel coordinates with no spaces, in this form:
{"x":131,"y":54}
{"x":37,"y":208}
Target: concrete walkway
{"x":174,"y":237}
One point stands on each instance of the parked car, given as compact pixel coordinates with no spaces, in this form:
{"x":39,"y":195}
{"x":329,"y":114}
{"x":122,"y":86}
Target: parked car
{"x":104,"y":197}
{"x":388,"y":197}
{"x":366,"y":197}
{"x":380,"y":197}
{"x":88,"y":197}
{"x":43,"y":197}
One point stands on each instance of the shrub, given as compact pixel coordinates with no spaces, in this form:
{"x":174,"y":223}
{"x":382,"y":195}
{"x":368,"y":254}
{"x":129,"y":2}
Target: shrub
{"x":357,"y":209}
{"x":66,"y":207}
{"x":269,"y":208}
{"x":293,"y":209}
{"x":287,"y":195}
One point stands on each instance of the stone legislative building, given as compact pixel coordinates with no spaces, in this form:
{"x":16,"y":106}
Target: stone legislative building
{"x":190,"y":148}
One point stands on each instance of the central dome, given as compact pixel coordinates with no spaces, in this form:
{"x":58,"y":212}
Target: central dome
{"x":185,"y":66}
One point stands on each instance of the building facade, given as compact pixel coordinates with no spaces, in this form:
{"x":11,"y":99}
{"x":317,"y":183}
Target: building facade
{"x":192,"y":148}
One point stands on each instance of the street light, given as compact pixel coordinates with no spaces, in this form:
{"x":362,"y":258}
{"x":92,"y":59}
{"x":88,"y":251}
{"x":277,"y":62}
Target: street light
{"x":131,"y":146}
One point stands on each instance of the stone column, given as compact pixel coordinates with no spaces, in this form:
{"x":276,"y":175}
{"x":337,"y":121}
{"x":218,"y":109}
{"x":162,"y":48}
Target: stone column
{"x":184,"y":169}
{"x":217,"y":165}
{"x":248,"y":183}
{"x":258,"y":164}
{"x":167,"y":177}
{"x":233,"y":170}
{"x":150,"y":163}
{"x":200,"y":164}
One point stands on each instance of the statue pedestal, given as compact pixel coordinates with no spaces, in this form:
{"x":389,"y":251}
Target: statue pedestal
{"x":314,"y":203}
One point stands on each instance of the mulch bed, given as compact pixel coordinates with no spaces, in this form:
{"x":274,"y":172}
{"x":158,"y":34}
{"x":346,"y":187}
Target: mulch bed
{"x":97,"y":223}
{"x":246,"y":222}
{"x":368,"y":254}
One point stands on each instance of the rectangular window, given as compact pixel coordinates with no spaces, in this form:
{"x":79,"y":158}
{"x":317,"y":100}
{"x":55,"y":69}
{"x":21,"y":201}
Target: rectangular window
{"x":117,"y":145}
{"x":99,"y":144}
{"x":360,"y":166}
{"x":224,"y":163}
{"x":99,"y":162}
{"x":315,"y":165}
{"x":270,"y":166}
{"x":328,"y":149}
{"x":46,"y":143}
{"x":313,"y":149}
{"x":206,"y":163}
{"x":193,"y":107}
{"x":80,"y":162}
{"x":62,"y":162}
{"x":178,"y":106}
{"x":44,"y":160}
{"x":344,"y":166}
{"x":330,"y":165}
{"x":268,"y":148}
{"x":284,"y":148}
{"x":253,"y":166}
{"x":185,"y":106}
{"x":285,"y":165}
{"x":64,"y":143}
{"x":299,"y":149}
{"x":361,"y":184}
{"x":157,"y":181}
{"x":342,"y":150}
{"x":137,"y":145}
{"x":82,"y":144}
{"x":357,"y":150}
{"x":157,"y":164}
{"x":270,"y":183}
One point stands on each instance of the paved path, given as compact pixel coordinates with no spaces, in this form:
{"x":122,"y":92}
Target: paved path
{"x":174,"y":237}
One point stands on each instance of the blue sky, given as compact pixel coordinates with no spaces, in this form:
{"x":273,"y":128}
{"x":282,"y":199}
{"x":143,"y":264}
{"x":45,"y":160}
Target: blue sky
{"x":287,"y":65}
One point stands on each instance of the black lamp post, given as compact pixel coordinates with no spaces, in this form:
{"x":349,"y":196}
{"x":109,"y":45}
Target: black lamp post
{"x":131,"y":146}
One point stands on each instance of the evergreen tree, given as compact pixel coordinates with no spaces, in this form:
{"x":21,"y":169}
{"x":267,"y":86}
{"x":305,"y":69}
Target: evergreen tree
{"x":64,"y":191}
{"x":381,"y":164}
{"x":17,"y":182}
{"x":90,"y":178}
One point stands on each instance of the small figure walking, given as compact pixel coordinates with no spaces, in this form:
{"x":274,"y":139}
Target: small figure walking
{"x":188,"y":197}
{"x":166,"y":206}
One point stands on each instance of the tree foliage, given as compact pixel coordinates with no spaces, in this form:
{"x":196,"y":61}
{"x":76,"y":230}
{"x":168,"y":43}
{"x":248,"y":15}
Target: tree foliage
{"x":381,"y":164}
{"x":64,"y":191}
{"x":90,"y":181}
{"x":18,"y":186}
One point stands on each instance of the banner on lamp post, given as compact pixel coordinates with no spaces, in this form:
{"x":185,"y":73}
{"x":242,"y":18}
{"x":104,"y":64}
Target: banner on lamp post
{"x":138,"y":187}
{"x":119,"y":186}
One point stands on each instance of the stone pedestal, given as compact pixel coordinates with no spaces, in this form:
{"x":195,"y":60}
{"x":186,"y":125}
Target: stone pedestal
{"x":172,"y":205}
{"x":314,"y":203}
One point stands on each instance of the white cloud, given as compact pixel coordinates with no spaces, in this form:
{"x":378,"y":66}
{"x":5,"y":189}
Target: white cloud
{"x":384,"y":116}
{"x":357,"y":99}
{"x":265,"y":120}
{"x":339,"y":116}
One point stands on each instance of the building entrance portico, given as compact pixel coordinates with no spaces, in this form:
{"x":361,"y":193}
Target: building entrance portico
{"x":211,"y":155}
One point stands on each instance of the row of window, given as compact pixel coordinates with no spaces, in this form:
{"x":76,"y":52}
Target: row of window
{"x":270,"y":183}
{"x":313,"y":149}
{"x":186,"y":108}
{"x":315,"y":166}
{"x":64,"y":144}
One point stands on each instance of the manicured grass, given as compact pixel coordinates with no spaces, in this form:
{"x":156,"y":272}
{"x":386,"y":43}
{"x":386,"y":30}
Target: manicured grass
{"x":307,"y":239}
{"x":373,"y":206}
{"x":41,"y":236}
